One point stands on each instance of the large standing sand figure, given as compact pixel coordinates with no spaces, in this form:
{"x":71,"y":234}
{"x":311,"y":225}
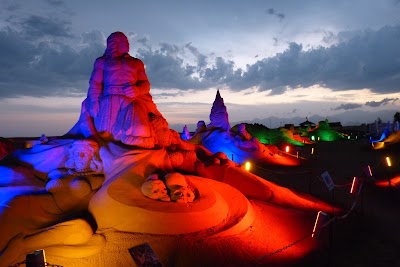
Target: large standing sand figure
{"x":118,"y":103}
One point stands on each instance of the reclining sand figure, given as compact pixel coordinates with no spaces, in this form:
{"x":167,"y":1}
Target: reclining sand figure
{"x":55,"y":216}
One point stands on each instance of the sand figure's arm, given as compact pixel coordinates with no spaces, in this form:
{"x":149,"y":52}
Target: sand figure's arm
{"x":142,"y":85}
{"x":95,"y":87}
{"x":68,"y":239}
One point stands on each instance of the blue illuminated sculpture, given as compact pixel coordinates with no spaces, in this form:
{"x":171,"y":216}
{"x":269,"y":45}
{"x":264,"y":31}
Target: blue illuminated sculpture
{"x":238,"y":145}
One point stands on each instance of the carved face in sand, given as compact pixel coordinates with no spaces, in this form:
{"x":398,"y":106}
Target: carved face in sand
{"x":155,"y":189}
{"x":180,"y":190}
{"x":83,"y":157}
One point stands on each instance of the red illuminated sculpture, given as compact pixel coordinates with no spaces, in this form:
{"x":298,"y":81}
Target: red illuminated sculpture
{"x":119,"y":106}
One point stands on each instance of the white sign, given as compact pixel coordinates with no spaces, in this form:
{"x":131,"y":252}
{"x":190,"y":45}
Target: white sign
{"x":328,"y":180}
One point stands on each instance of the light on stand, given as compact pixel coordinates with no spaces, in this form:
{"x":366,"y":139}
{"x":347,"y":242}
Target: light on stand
{"x":388,"y":162}
{"x":368,"y":171}
{"x":287,"y":149}
{"x":320,"y":222}
{"x":247,"y":166}
{"x":355,"y":185}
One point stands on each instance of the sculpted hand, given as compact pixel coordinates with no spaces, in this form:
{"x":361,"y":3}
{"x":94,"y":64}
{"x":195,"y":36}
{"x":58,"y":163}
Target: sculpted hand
{"x":132,"y":91}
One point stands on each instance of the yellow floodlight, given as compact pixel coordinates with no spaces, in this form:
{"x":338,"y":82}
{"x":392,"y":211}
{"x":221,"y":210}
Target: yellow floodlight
{"x":388,"y":162}
{"x":247,"y":166}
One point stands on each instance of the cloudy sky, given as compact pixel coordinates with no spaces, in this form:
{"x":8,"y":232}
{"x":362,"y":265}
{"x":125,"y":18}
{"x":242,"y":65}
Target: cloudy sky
{"x":276,"y":58}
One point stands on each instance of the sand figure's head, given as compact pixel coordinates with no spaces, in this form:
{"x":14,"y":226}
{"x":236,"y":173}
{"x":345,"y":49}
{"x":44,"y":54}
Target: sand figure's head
{"x":117,"y":45}
{"x":84,"y":157}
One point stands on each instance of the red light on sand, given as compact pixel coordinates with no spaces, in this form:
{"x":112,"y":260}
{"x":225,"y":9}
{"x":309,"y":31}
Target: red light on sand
{"x":287,"y":149}
{"x":395,"y":181}
{"x":320,"y":222}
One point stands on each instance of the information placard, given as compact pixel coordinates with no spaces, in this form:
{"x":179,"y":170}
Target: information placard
{"x":328,"y":180}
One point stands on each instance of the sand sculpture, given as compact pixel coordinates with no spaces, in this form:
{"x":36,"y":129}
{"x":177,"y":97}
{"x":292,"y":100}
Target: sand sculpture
{"x":324,"y":132}
{"x":239,"y":145}
{"x":6,"y":147}
{"x":389,"y":137}
{"x":48,"y":205}
{"x":279,"y":137}
{"x":185,"y":135}
{"x":64,"y":195}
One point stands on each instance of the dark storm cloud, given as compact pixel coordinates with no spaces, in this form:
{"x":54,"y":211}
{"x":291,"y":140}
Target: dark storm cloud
{"x":329,"y":37}
{"x":38,"y":26}
{"x":383,"y":102}
{"x":166,"y":66}
{"x":11,"y":5}
{"x":369,"y":59}
{"x":45,"y":68}
{"x":56,"y":3}
{"x":348,"y":106}
{"x":166,"y":48}
{"x":60,"y":64}
{"x":165,"y":70}
{"x":273,"y":12}
{"x":221,"y":71}
{"x":201,"y":59}
{"x":144,"y":41}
